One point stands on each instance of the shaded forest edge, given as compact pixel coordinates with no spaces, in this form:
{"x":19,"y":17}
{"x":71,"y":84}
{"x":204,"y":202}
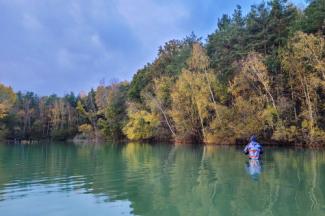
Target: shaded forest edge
{"x":262,"y":73}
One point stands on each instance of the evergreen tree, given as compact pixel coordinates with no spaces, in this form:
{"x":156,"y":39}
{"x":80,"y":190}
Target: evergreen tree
{"x":314,"y":19}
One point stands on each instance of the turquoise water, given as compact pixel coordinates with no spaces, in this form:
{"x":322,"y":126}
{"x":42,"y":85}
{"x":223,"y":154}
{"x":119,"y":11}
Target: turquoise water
{"x":143,"y":179}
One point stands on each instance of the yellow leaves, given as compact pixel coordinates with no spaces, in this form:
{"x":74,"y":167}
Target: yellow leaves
{"x":86,"y":129}
{"x":304,"y":54}
{"x":222,"y":132}
{"x":240,"y":86}
{"x":306,"y":124}
{"x":268,"y":115}
{"x":307,"y":49}
{"x":199,"y":60}
{"x":191,"y":101}
{"x":7,"y":99}
{"x":304,"y":60}
{"x":194,"y":109}
{"x":192,"y":104}
{"x":81,"y":110}
{"x":3,"y":110}
{"x":287,"y":134}
{"x":253,"y":79}
{"x":162,"y":89}
{"x":219,"y":90}
{"x":141,"y":125}
{"x":254,"y":105}
{"x":196,"y":97}
{"x":254,"y":68}
{"x":248,"y":116}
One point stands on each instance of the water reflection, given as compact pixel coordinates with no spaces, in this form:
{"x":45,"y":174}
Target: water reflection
{"x":253,"y":168}
{"x":144,"y":179}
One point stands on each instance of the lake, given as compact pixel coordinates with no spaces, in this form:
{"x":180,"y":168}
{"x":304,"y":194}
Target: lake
{"x":160,"y":179}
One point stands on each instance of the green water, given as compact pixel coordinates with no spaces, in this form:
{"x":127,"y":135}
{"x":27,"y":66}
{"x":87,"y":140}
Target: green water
{"x":143,"y":179}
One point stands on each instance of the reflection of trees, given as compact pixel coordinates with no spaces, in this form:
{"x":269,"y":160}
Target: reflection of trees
{"x":174,"y":180}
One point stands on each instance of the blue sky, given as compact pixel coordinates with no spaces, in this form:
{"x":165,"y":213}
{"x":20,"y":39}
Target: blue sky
{"x":58,"y":46}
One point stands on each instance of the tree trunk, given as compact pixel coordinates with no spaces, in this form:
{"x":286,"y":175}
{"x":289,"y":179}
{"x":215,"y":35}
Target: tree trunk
{"x":212,"y":95}
{"x":164,"y":114}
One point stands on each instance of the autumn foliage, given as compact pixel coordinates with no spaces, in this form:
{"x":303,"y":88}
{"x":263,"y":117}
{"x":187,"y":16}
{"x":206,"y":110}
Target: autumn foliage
{"x":263,"y":74}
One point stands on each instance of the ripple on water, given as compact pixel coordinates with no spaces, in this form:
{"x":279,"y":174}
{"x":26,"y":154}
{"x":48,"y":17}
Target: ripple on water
{"x":158,"y":180}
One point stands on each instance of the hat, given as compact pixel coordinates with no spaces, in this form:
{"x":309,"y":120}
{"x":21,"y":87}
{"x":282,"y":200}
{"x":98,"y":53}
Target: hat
{"x":253,"y":138}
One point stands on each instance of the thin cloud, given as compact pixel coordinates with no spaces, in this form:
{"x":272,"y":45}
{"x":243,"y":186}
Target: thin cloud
{"x":58,"y":46}
{"x":150,"y":20}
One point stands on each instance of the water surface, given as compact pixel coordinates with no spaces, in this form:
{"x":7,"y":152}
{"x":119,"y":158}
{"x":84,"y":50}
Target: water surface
{"x":143,"y":179}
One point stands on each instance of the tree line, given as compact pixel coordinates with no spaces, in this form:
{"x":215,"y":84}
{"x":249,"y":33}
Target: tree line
{"x":262,"y":73}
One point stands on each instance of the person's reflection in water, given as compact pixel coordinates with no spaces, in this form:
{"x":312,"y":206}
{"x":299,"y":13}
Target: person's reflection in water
{"x":254,"y":168}
{"x":254,"y":150}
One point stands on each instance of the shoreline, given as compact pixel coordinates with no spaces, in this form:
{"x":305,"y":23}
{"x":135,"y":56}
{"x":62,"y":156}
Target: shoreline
{"x":270,"y":143}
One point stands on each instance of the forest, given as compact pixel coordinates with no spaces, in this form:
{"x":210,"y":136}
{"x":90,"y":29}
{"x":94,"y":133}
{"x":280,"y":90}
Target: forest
{"x":261,"y":73}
